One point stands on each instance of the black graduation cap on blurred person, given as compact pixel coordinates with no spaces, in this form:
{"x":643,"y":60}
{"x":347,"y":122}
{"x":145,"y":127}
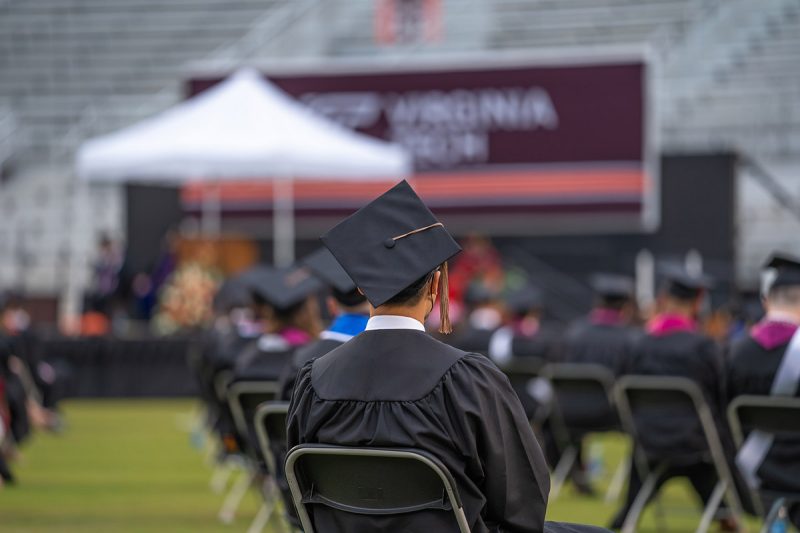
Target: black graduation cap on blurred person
{"x":612,"y":286}
{"x":525,"y":299}
{"x":683,"y":284}
{"x":234,"y":292}
{"x":282,"y":288}
{"x":390,"y":243}
{"x":787,"y":269}
{"x":327,"y":268}
{"x":477,"y":294}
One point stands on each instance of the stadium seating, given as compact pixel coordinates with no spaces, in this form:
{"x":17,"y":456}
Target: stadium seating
{"x":727,"y":77}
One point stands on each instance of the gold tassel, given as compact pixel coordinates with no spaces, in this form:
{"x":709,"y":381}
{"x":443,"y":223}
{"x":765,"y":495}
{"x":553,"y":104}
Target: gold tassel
{"x":444,"y":301}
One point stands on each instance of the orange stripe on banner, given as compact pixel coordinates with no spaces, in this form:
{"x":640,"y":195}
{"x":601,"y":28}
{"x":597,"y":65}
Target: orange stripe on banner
{"x":439,"y":186}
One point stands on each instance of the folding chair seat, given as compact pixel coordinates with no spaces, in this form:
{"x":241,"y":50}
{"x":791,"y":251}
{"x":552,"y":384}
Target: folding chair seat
{"x":582,"y":404}
{"x":371,"y":481}
{"x":669,"y":402}
{"x":778,"y":416}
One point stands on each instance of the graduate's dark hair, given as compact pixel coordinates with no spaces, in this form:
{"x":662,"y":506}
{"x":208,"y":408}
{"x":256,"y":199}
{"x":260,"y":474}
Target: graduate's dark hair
{"x":348,"y":299}
{"x":412,"y":294}
{"x":616,"y":303}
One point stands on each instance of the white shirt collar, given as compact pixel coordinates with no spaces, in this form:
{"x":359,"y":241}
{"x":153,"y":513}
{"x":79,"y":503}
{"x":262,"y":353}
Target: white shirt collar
{"x":394,"y":322}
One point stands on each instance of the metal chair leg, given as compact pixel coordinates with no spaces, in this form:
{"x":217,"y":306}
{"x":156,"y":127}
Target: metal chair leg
{"x":234,"y":498}
{"x":711,"y":507}
{"x":220,"y":476}
{"x":562,"y":470}
{"x":618,"y":480}
{"x":261,"y":519}
{"x":642,"y":497}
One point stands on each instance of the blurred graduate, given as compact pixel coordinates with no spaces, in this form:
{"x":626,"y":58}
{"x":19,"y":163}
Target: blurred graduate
{"x":767,"y":362}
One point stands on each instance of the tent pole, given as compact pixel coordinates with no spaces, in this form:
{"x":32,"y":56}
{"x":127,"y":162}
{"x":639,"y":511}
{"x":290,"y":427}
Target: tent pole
{"x":211,"y":214}
{"x":283,"y":221}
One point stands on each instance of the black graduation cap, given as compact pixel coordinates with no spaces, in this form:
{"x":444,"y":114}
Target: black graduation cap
{"x":613,"y":286}
{"x":390,"y":243}
{"x":234,"y":292}
{"x":282,"y":288}
{"x":787,"y":269}
{"x":683,"y":284}
{"x":327,"y":268}
{"x":524,"y":299}
{"x":477,"y":293}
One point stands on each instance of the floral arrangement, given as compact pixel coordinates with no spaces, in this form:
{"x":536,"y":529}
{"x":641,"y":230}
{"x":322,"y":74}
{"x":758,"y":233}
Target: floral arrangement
{"x":185,"y":299}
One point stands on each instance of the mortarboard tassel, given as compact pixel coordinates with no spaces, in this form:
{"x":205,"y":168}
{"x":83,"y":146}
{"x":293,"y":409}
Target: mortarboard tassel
{"x":444,"y":301}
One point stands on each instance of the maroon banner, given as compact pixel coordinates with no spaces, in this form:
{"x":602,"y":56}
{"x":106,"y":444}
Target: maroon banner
{"x":564,"y":138}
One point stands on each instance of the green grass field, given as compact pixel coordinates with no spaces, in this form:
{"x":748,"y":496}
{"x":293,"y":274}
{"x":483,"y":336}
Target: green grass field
{"x":129,"y":466}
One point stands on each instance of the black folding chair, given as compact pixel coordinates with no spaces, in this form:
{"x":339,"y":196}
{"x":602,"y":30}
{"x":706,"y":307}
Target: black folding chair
{"x":270,"y":426}
{"x":779,"y":416}
{"x":244,"y":397}
{"x":640,"y":397}
{"x":582,"y":404}
{"x":370,"y":481}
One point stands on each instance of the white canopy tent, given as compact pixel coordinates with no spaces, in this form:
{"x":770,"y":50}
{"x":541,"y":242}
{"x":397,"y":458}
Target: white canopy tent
{"x":241,"y":128}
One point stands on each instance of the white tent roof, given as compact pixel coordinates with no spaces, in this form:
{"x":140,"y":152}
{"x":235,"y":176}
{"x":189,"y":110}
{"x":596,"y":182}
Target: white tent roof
{"x":243,"y":127}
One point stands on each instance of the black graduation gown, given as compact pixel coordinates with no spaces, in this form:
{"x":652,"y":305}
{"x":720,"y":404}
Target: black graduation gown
{"x":678,"y":436}
{"x":608,"y":345}
{"x":472,"y":339}
{"x":301,"y":356}
{"x":402,"y":388}
{"x":263,"y":361}
{"x":542,"y":346}
{"x":751,"y":370}
{"x":685,"y":354}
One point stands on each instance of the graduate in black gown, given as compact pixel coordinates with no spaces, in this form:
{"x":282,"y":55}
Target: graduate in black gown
{"x":526,"y":337}
{"x":674,"y":346}
{"x":482,"y":319}
{"x":753,"y":368}
{"x":396,"y":386}
{"x":234,"y":328}
{"x":605,"y":337}
{"x":347,"y":305}
{"x":286,"y":302}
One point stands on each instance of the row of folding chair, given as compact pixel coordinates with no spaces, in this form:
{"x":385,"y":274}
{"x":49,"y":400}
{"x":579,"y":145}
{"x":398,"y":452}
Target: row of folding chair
{"x":588,"y":399}
{"x":615,"y":406}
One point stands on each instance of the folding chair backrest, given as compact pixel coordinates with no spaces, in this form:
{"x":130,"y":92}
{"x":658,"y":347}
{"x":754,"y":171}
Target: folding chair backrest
{"x":370,"y":481}
{"x":675,"y":413}
{"x":583,"y":395}
{"x":523,"y":368}
{"x":244,"y":397}
{"x":270,"y":424}
{"x":778,"y":415}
